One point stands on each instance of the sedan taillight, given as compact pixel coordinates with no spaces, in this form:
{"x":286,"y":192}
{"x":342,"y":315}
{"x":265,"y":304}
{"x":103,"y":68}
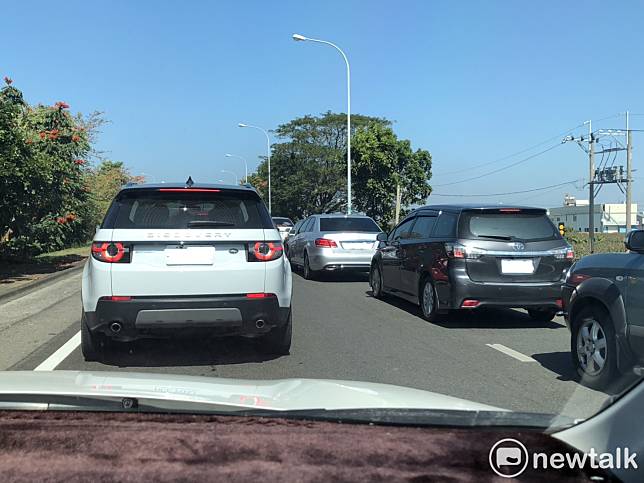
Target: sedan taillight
{"x":264,"y":251}
{"x":325,"y":243}
{"x":111,"y":252}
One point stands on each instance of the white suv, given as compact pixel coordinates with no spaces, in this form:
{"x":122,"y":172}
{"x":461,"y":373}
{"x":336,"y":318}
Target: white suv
{"x":186,"y":257}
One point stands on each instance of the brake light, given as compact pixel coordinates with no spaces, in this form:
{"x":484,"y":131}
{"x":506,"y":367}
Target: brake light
{"x":456,"y":250}
{"x":264,"y":251}
{"x":111,"y":252}
{"x":510,"y":210}
{"x":189,"y":190}
{"x":117,"y":298}
{"x":577,"y":278}
{"x":259,"y":295}
{"x":470,"y":304}
{"x":325,"y":243}
{"x":570,"y":254}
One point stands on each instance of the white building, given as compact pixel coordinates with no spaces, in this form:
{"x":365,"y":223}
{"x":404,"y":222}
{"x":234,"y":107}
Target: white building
{"x":608,"y":217}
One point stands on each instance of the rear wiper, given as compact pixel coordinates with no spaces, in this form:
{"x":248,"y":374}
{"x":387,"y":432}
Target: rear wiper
{"x":208,"y":223}
{"x":496,"y":237}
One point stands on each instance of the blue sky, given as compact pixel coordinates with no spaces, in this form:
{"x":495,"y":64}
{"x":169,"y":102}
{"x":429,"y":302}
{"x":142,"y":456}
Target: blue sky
{"x":471,"y":82}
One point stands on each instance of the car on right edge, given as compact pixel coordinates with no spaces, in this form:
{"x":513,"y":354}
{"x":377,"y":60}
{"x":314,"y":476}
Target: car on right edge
{"x":604,"y":305}
{"x":447,"y":257}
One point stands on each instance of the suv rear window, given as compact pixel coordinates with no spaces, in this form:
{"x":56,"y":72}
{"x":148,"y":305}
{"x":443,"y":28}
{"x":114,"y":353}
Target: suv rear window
{"x":156,"y":209}
{"x":349,"y":224}
{"x":510,"y":226}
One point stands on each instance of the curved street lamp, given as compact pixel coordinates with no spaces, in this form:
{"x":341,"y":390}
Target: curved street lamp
{"x":302,"y":38}
{"x":245,"y":164}
{"x":268,"y":155}
{"x":230,"y":172}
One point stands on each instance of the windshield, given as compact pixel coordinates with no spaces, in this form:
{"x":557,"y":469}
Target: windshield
{"x":349,"y":224}
{"x":510,"y":226}
{"x":330,"y":206}
{"x":158,"y":209}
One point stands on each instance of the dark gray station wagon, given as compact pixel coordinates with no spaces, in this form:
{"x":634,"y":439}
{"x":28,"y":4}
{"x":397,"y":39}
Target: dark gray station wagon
{"x":446,"y":257}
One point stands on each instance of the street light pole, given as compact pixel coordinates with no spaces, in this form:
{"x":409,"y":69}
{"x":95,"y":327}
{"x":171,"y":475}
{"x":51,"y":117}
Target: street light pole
{"x":245,"y":165}
{"x":230,"y":172}
{"x":268,"y":155}
{"x":301,"y":38}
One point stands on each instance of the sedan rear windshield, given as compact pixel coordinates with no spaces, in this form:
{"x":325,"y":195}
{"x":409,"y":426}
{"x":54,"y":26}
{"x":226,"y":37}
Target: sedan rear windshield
{"x":349,"y":224}
{"x":507,"y":226}
{"x":160,"y":209}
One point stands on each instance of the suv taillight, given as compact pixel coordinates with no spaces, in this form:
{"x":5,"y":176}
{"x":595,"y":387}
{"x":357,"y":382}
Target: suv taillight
{"x":264,"y":251}
{"x":575,"y":279}
{"x":456,"y":250}
{"x":111,"y":252}
{"x":325,"y":243}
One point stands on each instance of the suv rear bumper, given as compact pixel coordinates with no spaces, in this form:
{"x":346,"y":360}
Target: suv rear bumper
{"x":511,"y":295}
{"x":156,"y":316}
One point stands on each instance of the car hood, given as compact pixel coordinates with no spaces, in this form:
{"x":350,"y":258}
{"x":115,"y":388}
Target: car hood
{"x":177,"y":391}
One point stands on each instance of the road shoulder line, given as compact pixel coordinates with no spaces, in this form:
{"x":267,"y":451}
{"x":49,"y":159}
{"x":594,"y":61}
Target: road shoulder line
{"x":61,"y":354}
{"x":511,"y":352}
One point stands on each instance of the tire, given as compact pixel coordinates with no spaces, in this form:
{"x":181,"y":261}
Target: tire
{"x":375,"y":281}
{"x":593,"y":341}
{"x":91,"y":345}
{"x":278,"y":340}
{"x":427,"y":300}
{"x":542,"y":315}
{"x":307,"y":272}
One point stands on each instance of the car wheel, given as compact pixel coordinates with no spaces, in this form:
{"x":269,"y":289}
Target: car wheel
{"x":427,"y":300}
{"x":278,"y":340}
{"x":542,"y":315}
{"x":307,"y":272}
{"x":375,"y":280}
{"x":91,"y":345}
{"x":593,"y":347}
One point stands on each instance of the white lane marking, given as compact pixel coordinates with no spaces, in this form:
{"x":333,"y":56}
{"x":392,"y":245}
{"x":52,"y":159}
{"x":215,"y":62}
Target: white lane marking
{"x":511,"y":352}
{"x":61,"y":354}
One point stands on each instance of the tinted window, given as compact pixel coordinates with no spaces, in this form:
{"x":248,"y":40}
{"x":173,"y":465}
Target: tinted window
{"x":446,"y":225}
{"x":423,"y":227}
{"x":524,"y":226}
{"x":157,"y":209}
{"x":402,"y":230}
{"x":307,"y":225}
{"x":361,"y":224}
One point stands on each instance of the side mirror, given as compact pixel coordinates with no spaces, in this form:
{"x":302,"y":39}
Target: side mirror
{"x":635,"y":241}
{"x":381,"y":237}
{"x":291,"y":232}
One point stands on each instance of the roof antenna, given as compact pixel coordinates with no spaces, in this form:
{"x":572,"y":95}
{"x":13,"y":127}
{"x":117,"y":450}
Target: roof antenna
{"x":189,"y":183}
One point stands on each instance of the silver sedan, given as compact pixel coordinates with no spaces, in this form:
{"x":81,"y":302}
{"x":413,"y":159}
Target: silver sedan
{"x":333,"y":242}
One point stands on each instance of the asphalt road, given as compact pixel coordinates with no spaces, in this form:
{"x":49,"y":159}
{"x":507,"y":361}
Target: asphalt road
{"x":495,"y":357}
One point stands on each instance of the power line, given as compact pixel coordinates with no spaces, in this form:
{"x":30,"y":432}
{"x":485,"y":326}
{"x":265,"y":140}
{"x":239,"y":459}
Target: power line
{"x":509,"y":192}
{"x":502,"y":168}
{"x":469,"y":168}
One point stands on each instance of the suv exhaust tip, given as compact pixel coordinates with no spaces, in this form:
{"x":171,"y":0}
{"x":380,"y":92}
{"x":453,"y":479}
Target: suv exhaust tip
{"x":115,"y":327}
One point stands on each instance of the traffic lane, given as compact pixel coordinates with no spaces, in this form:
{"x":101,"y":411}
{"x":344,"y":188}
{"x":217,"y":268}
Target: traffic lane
{"x":341,"y":332}
{"x":31,"y":323}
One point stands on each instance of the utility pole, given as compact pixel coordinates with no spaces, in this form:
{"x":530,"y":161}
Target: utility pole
{"x":629,"y":159}
{"x":591,"y":188}
{"x":397,"y":217}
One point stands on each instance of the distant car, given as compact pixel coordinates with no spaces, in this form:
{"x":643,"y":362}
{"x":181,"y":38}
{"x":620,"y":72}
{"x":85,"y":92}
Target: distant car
{"x":284,"y":225}
{"x":183,"y":257}
{"x":291,"y":233}
{"x":604,"y":305}
{"x":468,"y":256}
{"x":334,"y":242}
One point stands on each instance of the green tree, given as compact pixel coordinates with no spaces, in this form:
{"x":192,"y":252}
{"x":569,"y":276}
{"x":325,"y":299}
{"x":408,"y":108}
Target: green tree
{"x":44,"y":201}
{"x":381,"y":162}
{"x":104,"y":182}
{"x":308,"y":166}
